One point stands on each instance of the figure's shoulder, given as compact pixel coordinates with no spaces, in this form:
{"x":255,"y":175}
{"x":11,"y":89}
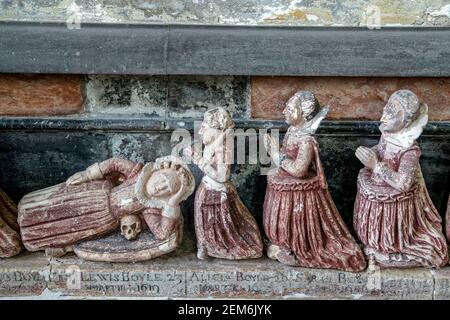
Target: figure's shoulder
{"x":306,"y":139}
{"x":301,"y":145}
{"x":412,"y":153}
{"x":415,"y":148}
{"x":309,"y":141}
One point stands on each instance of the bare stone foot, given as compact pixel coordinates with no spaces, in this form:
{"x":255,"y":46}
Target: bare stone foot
{"x":68,"y":249}
{"x":372,"y":265}
{"x":282,"y":255}
{"x":272,"y":251}
{"x":202,"y":253}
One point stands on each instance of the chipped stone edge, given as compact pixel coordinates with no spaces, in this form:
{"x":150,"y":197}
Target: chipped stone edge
{"x":49,"y":293}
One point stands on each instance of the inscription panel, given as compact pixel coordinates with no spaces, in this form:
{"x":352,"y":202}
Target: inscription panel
{"x":186,"y":277}
{"x":177,"y":277}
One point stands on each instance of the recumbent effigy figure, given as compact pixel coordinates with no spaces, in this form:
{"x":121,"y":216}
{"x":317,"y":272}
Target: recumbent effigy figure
{"x":94,"y":203}
{"x":10,"y":242}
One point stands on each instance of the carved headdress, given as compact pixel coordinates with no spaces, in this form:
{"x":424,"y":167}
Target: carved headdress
{"x":167,"y":162}
{"x":313,"y":113}
{"x":415,"y":118}
{"x":219,"y":118}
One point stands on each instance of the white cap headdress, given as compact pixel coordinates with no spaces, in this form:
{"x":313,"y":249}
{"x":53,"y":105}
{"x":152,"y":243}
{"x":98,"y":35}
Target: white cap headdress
{"x":415,"y":118}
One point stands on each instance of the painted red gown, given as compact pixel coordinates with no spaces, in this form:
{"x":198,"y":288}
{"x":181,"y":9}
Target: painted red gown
{"x":399,"y":225}
{"x":10,"y":242}
{"x":224,"y":227}
{"x":63,"y":215}
{"x":447,"y":219}
{"x":301,"y":217}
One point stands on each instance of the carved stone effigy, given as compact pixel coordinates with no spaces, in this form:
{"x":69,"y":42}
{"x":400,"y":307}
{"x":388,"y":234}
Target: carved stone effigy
{"x":300,"y":218}
{"x":394,"y":216}
{"x":142,"y":200}
{"x":447,"y":219}
{"x":10,"y":243}
{"x":224,"y":226}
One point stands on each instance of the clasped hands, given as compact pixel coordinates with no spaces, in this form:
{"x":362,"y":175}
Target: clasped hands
{"x":273,"y":148}
{"x":367,"y":156}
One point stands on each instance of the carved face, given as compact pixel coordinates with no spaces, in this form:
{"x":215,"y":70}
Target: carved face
{"x":292,"y":112}
{"x":208,"y":134}
{"x":130,"y":226}
{"x":392,"y":119}
{"x":163,"y":183}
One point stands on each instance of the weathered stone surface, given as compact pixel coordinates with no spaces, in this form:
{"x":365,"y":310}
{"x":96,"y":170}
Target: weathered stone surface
{"x":190,"y":97}
{"x":140,"y":147}
{"x":126,"y":95}
{"x":442,"y":284}
{"x":291,"y":12}
{"x":24,"y":275}
{"x":180,"y":275}
{"x":32,"y":95}
{"x":349,"y":98}
{"x":165,"y":49}
{"x":175,"y":97}
{"x":34,"y":161}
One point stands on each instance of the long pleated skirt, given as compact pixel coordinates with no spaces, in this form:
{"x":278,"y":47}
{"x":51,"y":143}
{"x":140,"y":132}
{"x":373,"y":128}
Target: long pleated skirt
{"x":406,"y":223}
{"x":302,"y":218}
{"x":10,"y":243}
{"x":224,"y":226}
{"x":61,"y":215}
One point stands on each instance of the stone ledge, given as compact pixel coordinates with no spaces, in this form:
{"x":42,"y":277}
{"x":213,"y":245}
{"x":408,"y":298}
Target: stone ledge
{"x":173,"y":49}
{"x":144,"y":123}
{"x":182,"y":275}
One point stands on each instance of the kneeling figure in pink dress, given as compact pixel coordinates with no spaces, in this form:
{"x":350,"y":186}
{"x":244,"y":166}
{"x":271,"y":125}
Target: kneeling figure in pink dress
{"x":300,"y":218}
{"x":394,"y":216}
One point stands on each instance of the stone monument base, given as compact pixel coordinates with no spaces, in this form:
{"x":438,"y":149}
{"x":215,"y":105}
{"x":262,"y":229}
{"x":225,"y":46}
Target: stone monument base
{"x":115,"y":248}
{"x":181,"y":275}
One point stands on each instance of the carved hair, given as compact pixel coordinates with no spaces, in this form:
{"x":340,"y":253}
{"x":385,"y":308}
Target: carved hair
{"x":181,"y":171}
{"x":409,"y":103}
{"x":219,"y":118}
{"x":167,"y":162}
{"x":308,"y":112}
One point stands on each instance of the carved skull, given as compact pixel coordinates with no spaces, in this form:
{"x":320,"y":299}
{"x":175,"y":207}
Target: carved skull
{"x":130,"y":226}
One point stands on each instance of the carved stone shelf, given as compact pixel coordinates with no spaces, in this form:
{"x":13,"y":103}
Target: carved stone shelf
{"x":182,"y":275}
{"x":165,"y":49}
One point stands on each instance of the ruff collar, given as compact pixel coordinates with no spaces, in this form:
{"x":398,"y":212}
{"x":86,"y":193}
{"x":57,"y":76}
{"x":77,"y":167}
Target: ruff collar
{"x":406,"y":137}
{"x":310,"y":127}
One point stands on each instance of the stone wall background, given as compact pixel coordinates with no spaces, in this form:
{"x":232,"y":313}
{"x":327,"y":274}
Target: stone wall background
{"x":244,"y":12}
{"x":35,"y":155}
{"x":52,"y":126}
